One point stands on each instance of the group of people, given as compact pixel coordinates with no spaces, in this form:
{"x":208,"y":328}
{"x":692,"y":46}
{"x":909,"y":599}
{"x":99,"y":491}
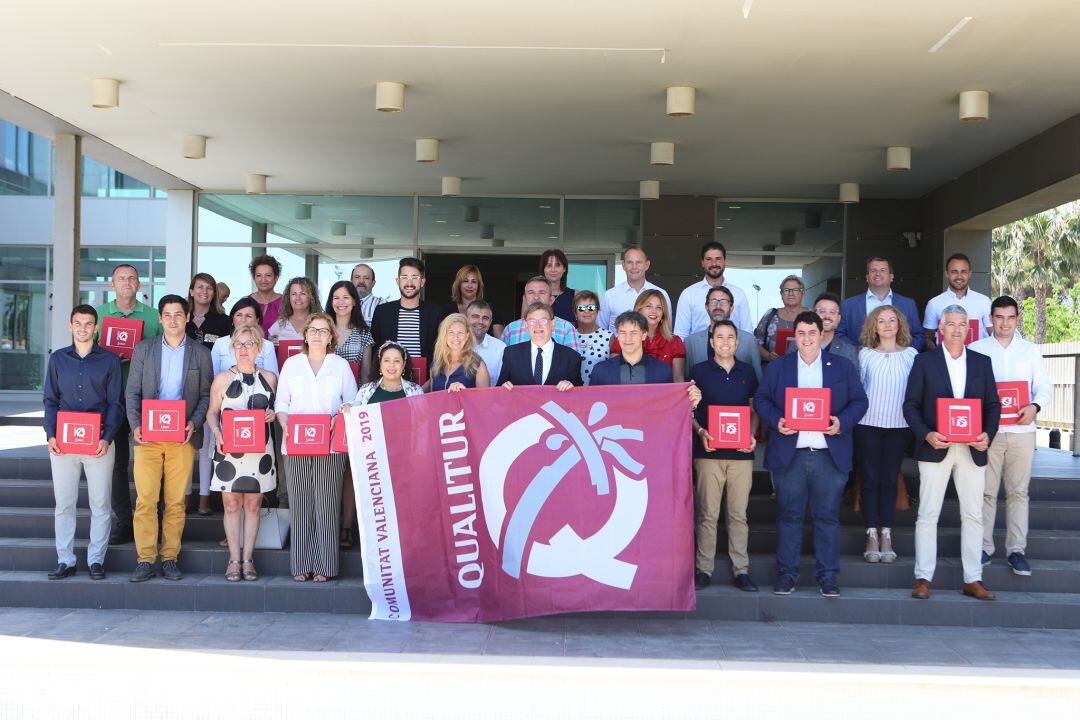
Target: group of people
{"x":884,"y":375}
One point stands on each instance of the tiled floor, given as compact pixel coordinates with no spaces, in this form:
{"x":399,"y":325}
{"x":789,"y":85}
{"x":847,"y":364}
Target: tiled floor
{"x":575,"y":636}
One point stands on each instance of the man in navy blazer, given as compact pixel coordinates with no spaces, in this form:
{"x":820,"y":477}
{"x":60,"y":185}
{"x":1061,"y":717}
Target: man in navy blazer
{"x":853,"y":311}
{"x":809,"y":467}
{"x":950,"y":371}
{"x":541,"y":361}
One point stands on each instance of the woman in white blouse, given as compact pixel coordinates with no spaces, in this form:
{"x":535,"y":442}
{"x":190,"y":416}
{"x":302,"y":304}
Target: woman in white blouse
{"x":315,"y":382}
{"x":300,"y":303}
{"x":882,"y":436}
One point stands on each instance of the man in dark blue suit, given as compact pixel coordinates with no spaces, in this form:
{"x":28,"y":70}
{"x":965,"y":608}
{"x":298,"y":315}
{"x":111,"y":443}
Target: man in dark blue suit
{"x":853,"y":311}
{"x":951,"y":371}
{"x":541,"y":361}
{"x":809,"y":466}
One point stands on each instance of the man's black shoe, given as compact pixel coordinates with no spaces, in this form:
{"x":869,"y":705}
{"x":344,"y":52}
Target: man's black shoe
{"x":785,"y":585}
{"x":170,"y":571}
{"x":62,"y":571}
{"x":829,"y":588}
{"x":701,"y":580}
{"x":121,"y":535}
{"x":143,"y":572}
{"x":745,"y":583}
{"x":97,"y":572}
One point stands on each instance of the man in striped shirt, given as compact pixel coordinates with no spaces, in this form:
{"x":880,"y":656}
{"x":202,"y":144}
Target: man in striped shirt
{"x":363,"y":277}
{"x":410,"y":321}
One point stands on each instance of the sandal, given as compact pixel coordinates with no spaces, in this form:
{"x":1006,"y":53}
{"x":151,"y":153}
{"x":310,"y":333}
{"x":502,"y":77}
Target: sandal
{"x":301,"y":578}
{"x":346,"y":539}
{"x":233,"y":575}
{"x":319,"y":578}
{"x":250,"y":574}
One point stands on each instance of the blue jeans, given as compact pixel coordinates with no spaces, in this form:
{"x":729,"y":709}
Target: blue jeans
{"x":812,"y":477}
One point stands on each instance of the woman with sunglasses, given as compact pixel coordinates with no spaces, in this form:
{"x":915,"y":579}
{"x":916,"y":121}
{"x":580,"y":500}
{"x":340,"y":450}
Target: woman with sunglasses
{"x":595,"y":341}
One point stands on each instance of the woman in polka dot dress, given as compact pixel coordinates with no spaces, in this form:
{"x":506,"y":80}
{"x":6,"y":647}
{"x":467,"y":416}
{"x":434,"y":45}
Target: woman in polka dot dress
{"x":595,"y":341}
{"x":242,"y":478}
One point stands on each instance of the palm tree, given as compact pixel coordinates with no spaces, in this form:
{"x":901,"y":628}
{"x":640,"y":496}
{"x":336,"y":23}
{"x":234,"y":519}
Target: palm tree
{"x":1035,"y":253}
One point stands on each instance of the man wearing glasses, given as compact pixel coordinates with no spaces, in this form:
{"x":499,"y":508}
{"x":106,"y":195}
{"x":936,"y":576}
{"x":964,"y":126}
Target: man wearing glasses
{"x":411,"y":322}
{"x":538,"y":290}
{"x":719,"y":303}
{"x":827,"y":306}
{"x":622,"y":297}
{"x":541,"y":360}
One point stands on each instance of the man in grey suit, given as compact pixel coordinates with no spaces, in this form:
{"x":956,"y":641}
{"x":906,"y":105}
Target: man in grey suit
{"x":170,"y":367}
{"x":719,"y":303}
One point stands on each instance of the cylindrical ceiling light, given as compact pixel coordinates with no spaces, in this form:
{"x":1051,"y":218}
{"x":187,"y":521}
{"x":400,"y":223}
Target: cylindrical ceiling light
{"x":470,"y":213}
{"x":849,"y":192}
{"x":194,"y":147}
{"x":680,"y":101}
{"x":768,"y":259}
{"x":487,"y":232}
{"x":366,"y":253}
{"x":389,"y":97}
{"x":337,"y":228}
{"x":105,"y":93}
{"x":898,"y":157}
{"x":451,"y":186}
{"x":302,"y":211}
{"x":427,"y":150}
{"x":974,"y":105}
{"x":662,"y":153}
{"x":255,"y":184}
{"x":787,"y":237}
{"x":649,"y":189}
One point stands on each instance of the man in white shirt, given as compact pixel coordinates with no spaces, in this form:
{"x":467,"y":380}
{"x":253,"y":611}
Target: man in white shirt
{"x":690,"y":314}
{"x":622,"y":297}
{"x":490,"y":349}
{"x":363,"y":277}
{"x":1015,"y":360}
{"x":958,"y":275}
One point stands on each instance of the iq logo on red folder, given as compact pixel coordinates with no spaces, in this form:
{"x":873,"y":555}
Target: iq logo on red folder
{"x":308,"y":435}
{"x":729,"y":427}
{"x":121,"y":335}
{"x":1013,"y":397}
{"x":959,"y":420}
{"x":243,"y":431}
{"x":163,"y":421}
{"x":77,"y":433}
{"x":807,"y":408}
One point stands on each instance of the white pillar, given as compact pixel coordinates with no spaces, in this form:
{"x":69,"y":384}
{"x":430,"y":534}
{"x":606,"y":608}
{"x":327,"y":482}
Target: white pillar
{"x":65,"y":237}
{"x":179,"y":241}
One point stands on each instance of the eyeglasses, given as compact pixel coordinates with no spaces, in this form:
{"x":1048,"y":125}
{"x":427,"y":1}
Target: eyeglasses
{"x":719,"y":303}
{"x":319,"y":332}
{"x":591,"y":307}
{"x":828,"y":313}
{"x":792,"y":291}
{"x":538,"y":322}
{"x":409,"y":278}
{"x":245,"y":345}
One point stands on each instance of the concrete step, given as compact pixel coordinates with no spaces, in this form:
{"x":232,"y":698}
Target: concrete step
{"x":278,"y":594}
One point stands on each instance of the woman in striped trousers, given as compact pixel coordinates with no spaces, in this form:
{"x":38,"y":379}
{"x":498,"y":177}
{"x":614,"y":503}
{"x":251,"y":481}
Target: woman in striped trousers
{"x":315,"y":382}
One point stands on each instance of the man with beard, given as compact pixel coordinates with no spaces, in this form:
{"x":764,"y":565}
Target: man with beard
{"x":690,"y":316}
{"x":827,"y":306}
{"x":479,"y":315}
{"x":363,"y":277}
{"x":410,"y":321}
{"x":720,"y":304}
{"x":957,"y":274}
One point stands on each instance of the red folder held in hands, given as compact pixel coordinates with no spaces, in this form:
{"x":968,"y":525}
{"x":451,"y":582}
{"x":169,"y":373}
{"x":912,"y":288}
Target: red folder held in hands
{"x":783,"y":337}
{"x":78,"y":433}
{"x":1013,"y":397}
{"x":286,"y":349}
{"x":960,"y":421}
{"x":121,"y":335}
{"x":807,"y":408}
{"x":729,"y":426}
{"x":308,"y":435}
{"x":243,"y":431}
{"x":340,"y":443}
{"x":164,"y":421}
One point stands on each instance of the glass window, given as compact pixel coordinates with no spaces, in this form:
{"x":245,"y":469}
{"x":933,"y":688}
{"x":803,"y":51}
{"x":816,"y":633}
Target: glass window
{"x":598,"y":224}
{"x":96,"y":264}
{"x":23,"y":263}
{"x":24,"y":309}
{"x":25,"y":162}
{"x":338,"y":265}
{"x":489,"y":222}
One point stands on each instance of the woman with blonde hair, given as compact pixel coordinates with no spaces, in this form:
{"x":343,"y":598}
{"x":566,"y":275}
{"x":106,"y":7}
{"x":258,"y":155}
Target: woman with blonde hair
{"x":468,"y":286}
{"x":301,"y":301}
{"x":242,"y":478}
{"x":660,"y":342}
{"x":882,"y":436}
{"x":456,"y":365}
{"x":314,"y":382}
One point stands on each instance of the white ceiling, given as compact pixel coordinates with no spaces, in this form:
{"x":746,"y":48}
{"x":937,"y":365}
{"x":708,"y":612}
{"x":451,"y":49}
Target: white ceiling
{"x":792,"y":100}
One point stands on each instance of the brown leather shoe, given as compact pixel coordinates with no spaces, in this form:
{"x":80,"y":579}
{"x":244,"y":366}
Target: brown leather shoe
{"x":978,"y":591}
{"x":922,"y":590}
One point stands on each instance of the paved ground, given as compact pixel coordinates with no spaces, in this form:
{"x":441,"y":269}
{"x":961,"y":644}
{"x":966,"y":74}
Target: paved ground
{"x":577,"y":637}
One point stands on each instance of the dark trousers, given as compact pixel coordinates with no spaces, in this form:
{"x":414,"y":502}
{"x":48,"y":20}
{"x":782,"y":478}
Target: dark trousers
{"x":879,"y":452}
{"x":121,"y":480}
{"x":812,"y":478}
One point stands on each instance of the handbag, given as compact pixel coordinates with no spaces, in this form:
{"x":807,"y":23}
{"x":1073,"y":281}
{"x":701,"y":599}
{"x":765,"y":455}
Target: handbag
{"x":273,"y":527}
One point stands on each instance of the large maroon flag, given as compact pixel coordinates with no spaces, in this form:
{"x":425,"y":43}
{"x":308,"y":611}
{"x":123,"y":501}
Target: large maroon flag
{"x":494,"y":504}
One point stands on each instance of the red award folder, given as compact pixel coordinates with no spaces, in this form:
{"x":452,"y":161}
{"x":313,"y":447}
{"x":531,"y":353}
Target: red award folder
{"x":729,"y":426}
{"x":1013,"y":396}
{"x":308,"y":435}
{"x":286,"y":349}
{"x":243,"y":431}
{"x":960,"y":421}
{"x":783,"y":337}
{"x":972,"y":336}
{"x":340,"y":442}
{"x":419,"y":370}
{"x":121,"y":335}
{"x":78,"y":433}
{"x":807,"y":408}
{"x":164,"y":421}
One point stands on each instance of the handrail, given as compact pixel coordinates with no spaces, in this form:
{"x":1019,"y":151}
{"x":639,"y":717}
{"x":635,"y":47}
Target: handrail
{"x":1076,"y":397}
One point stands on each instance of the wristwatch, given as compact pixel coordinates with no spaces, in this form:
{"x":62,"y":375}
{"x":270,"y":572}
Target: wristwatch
{"x":1037,"y":407}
